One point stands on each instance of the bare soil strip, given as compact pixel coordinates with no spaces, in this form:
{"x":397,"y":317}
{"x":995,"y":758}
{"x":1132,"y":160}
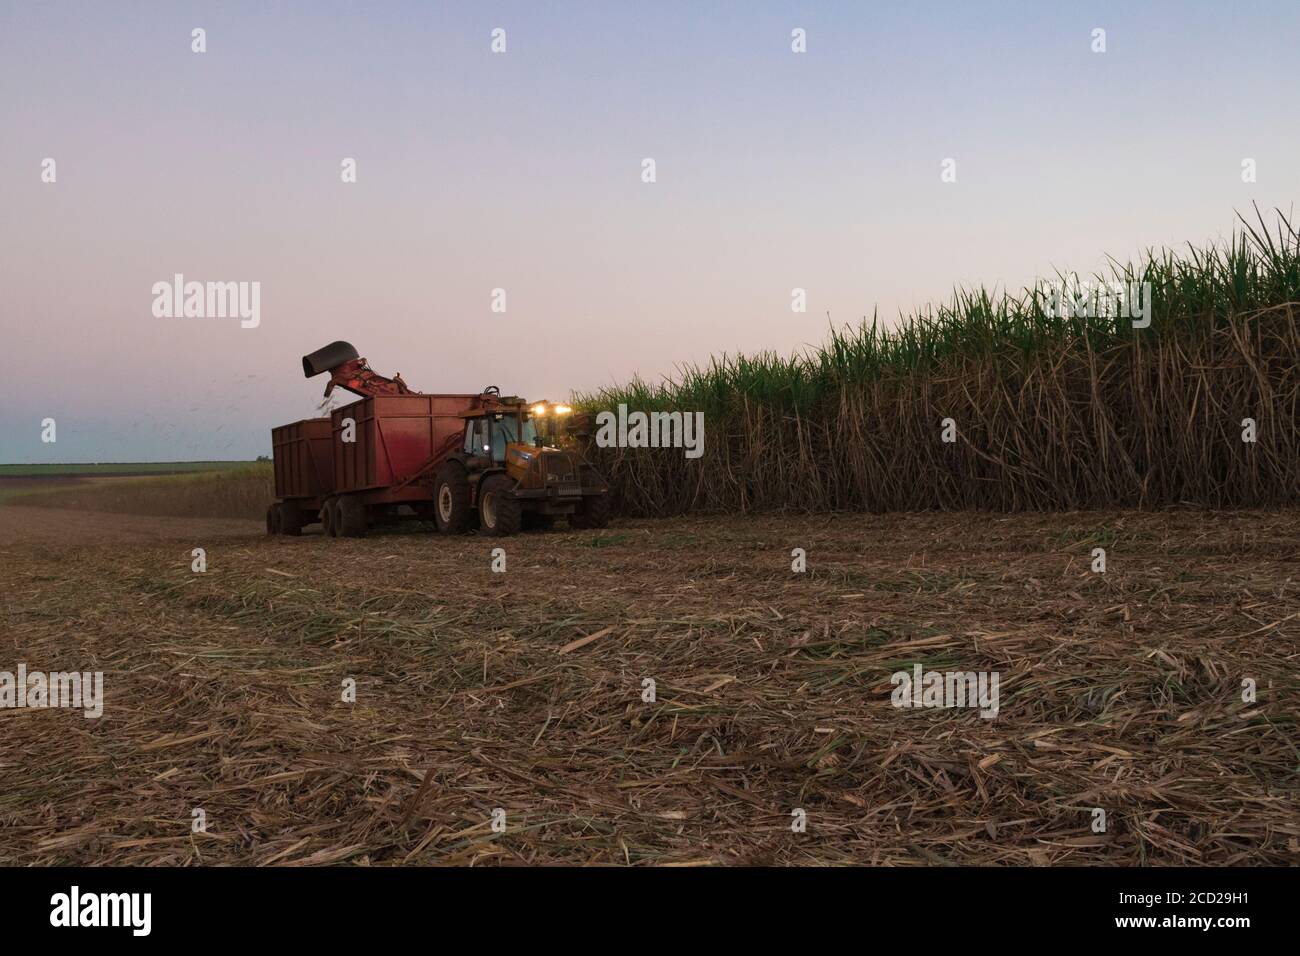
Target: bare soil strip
{"x":523,"y":691}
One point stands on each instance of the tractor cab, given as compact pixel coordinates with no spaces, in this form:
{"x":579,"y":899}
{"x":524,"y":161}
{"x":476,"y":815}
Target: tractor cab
{"x":511,"y":434}
{"x":490,"y":436}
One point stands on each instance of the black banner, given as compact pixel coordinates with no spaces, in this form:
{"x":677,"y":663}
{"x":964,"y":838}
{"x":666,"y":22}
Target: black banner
{"x":336,"y":905}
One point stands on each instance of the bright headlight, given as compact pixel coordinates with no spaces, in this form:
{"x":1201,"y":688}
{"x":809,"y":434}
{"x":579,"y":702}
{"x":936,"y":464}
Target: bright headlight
{"x":539,"y":409}
{"x":562,"y":409}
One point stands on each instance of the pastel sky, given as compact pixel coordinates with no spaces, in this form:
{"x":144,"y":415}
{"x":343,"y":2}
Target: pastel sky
{"x":522,"y":171}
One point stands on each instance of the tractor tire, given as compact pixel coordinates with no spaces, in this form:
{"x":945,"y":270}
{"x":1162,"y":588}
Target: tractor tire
{"x":592,"y":513}
{"x":272,"y":513}
{"x":451,"y":509}
{"x":291,"y":521}
{"x":536,"y":521}
{"x":350,"y":516}
{"x":329,"y":518}
{"x":500,"y":513}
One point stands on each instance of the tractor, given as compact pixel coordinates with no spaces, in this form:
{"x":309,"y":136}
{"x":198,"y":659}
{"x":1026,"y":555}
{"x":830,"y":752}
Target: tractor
{"x":512,"y":475}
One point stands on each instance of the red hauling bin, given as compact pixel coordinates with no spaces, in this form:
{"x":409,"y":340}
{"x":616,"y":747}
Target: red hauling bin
{"x":304,"y":462}
{"x":393,"y":437}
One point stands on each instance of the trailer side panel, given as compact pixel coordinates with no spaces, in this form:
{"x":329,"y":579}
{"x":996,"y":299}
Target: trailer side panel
{"x":392,"y":437}
{"x":303,"y":460}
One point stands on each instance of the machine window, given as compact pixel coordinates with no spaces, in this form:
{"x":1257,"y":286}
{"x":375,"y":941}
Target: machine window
{"x":506,"y":430}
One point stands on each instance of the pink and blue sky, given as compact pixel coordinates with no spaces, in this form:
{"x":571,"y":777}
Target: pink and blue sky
{"x":522,"y":171}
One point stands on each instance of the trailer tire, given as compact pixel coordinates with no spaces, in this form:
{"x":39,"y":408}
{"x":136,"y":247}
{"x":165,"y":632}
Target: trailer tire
{"x":350,"y":516}
{"x":451,"y":508}
{"x":290,"y":521}
{"x":329,"y":518}
{"x":500,"y":513}
{"x":592,"y":513}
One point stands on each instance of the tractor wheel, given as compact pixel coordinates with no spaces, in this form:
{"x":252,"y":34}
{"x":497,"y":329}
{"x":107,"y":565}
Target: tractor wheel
{"x":290,"y":522}
{"x":272,"y":513}
{"x":536,"y":521}
{"x":499,"y":511}
{"x":350,"y":516}
{"x":592,"y":513}
{"x":329,"y":518}
{"x":451,"y":508}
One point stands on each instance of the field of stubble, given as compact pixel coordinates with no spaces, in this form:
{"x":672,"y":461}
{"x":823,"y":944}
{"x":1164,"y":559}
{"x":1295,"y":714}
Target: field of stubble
{"x":476,"y":691}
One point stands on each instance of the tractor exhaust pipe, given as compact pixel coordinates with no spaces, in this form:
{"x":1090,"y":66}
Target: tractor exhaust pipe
{"x":328,"y":358}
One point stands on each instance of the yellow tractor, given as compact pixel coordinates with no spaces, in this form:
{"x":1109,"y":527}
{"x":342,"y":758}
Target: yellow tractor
{"x":511,"y":472}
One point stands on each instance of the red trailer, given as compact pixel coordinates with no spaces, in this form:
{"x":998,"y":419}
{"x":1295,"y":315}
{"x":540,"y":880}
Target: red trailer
{"x":380,"y":446}
{"x":304,"y":474}
{"x":380,"y":442}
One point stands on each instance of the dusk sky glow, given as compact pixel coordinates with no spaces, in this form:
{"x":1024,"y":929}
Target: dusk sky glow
{"x":522,"y":171}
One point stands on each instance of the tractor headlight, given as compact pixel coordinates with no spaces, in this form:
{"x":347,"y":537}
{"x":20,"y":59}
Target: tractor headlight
{"x":562,"y":409}
{"x":539,"y":409}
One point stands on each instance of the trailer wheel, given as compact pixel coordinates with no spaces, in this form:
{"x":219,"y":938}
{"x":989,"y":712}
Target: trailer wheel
{"x":451,"y":508}
{"x":592,"y":513}
{"x":329,"y":518}
{"x":499,"y":511}
{"x":290,"y":520}
{"x":350,"y":516}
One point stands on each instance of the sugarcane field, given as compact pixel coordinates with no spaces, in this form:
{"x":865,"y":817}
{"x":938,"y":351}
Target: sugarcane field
{"x":649,"y":455}
{"x":664,"y":691}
